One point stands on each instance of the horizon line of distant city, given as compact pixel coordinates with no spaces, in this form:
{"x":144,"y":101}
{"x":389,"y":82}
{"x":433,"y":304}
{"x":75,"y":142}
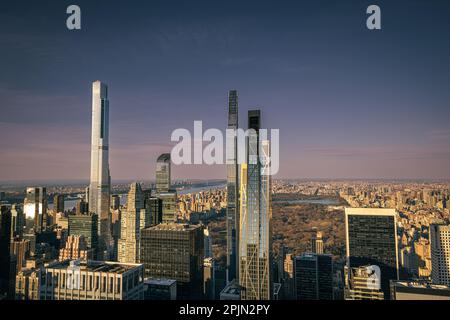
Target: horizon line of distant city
{"x":220,"y":180}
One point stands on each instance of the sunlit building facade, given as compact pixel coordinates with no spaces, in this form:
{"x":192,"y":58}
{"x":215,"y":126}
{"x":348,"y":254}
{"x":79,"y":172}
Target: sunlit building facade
{"x":255,"y":236}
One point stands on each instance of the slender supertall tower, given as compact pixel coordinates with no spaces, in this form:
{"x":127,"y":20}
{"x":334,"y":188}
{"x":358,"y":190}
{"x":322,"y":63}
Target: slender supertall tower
{"x":100,"y":184}
{"x":255,"y":235}
{"x":232,"y":190}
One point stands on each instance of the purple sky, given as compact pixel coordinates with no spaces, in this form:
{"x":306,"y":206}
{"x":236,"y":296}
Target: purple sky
{"x":349,"y":102}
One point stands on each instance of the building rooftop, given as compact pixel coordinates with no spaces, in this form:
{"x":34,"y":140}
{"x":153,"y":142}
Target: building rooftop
{"x":95,"y":266}
{"x":161,"y":282}
{"x":421,"y":285}
{"x":175,"y":227}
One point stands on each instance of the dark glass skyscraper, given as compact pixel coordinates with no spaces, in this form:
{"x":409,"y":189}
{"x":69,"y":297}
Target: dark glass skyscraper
{"x":371,"y":239}
{"x":175,"y":251}
{"x":85,"y":225}
{"x":232,"y":189}
{"x":255,"y":236}
{"x":313,"y":276}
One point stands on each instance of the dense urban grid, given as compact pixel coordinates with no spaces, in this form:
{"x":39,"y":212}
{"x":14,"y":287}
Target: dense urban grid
{"x":246,"y":238}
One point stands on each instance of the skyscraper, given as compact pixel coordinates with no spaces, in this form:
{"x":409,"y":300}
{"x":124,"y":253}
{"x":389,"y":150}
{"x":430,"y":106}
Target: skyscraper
{"x":35,"y":207}
{"x":440,"y":254}
{"x":85,"y":225}
{"x":58,"y":203}
{"x":255,"y":248}
{"x":7,"y":270}
{"x":163,"y":173}
{"x":175,"y":251}
{"x":313,"y":275}
{"x":154,"y":204}
{"x":232,"y":190}
{"x":128,"y":245}
{"x":371,"y":239}
{"x":163,"y":191}
{"x":99,"y":188}
{"x":317,"y":242}
{"x":17,"y":220}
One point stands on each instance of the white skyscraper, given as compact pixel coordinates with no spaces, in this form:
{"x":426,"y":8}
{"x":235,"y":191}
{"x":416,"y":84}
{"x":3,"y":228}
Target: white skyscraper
{"x":99,"y":188}
{"x":440,"y":254}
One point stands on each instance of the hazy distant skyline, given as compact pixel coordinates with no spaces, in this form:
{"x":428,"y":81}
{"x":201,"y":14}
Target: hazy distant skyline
{"x":349,"y":102}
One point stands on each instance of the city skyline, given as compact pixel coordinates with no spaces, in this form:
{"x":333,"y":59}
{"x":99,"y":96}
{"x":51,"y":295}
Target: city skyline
{"x":370,"y":115}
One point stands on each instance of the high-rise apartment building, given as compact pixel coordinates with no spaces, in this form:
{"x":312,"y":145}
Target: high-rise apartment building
{"x":313,"y":277}
{"x":371,"y":239}
{"x":175,"y":251}
{"x":440,"y":253}
{"x":133,"y":219}
{"x":255,"y":236}
{"x":232,"y":189}
{"x":75,"y":248}
{"x":100,"y":181}
{"x":317,"y":242}
{"x":35,"y":207}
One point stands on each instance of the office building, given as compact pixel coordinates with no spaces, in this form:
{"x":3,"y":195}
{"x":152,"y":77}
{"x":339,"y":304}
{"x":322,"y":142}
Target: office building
{"x":7,"y":263}
{"x":160,"y":289}
{"x":313,"y":277}
{"x":35,"y":208}
{"x":209,"y":283}
{"x":169,"y":206}
{"x":175,"y":251}
{"x":81,"y":207}
{"x":115,"y":202}
{"x":17,"y":220}
{"x":20,"y":248}
{"x":371,"y":239}
{"x":92,"y":280}
{"x":419,"y":290}
{"x":87,"y":226}
{"x":255,"y":236}
{"x":440,"y":253}
{"x":100,"y":180}
{"x":232,"y":291}
{"x":154,"y":205}
{"x":163,"y":173}
{"x":58,"y":203}
{"x":232,"y":189}
{"x":362,"y":283}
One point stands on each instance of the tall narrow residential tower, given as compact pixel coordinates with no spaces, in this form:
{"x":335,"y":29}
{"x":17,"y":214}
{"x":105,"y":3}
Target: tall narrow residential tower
{"x":232,"y":190}
{"x":255,"y":233}
{"x":99,"y":188}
